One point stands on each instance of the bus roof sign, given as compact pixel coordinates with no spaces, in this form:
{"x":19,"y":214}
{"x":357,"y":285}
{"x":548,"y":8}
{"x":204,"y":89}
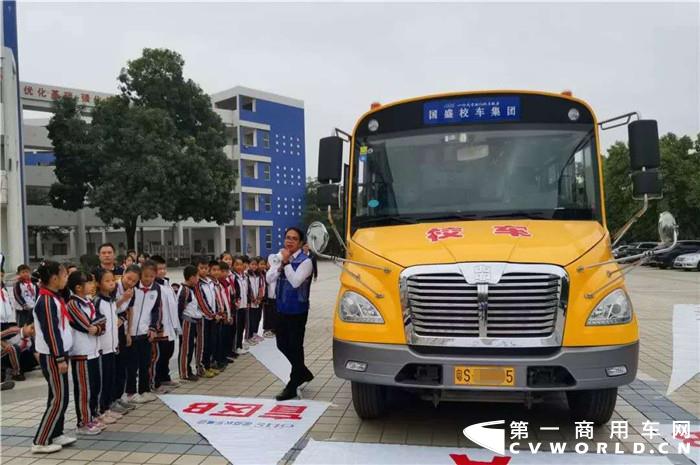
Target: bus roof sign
{"x":467,"y":110}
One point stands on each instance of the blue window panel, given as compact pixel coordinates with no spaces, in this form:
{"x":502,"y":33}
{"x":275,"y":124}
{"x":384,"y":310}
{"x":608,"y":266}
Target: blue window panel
{"x":252,"y":182}
{"x":259,"y":215}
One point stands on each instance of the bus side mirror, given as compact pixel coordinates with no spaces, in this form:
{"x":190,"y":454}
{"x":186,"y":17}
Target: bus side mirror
{"x":644,"y":144}
{"x":330,"y":159}
{"x":646,"y":183}
{"x":328,"y":194}
{"x":645,"y":158}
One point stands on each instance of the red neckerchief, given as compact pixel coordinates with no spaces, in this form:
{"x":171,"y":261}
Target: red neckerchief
{"x":92,"y":310}
{"x":30,"y":285}
{"x":146,"y":289}
{"x":62,"y":305}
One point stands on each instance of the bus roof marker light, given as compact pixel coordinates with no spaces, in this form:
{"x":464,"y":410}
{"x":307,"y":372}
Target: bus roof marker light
{"x":373,"y":125}
{"x":574,"y":114}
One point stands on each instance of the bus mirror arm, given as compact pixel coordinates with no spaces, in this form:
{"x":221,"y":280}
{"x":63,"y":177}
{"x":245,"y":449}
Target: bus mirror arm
{"x":630,"y":263}
{"x":670,"y":235}
{"x":623,"y":230}
{"x":335,"y":230}
{"x":339,"y":260}
{"x":617,"y":121}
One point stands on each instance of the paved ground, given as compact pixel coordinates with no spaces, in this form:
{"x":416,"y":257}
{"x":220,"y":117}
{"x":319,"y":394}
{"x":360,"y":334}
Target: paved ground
{"x":154,"y":434}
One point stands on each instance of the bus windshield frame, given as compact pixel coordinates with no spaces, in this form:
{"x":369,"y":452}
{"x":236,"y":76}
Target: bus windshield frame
{"x":476,"y":172}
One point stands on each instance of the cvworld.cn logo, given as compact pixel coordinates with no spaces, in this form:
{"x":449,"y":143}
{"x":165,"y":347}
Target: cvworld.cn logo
{"x":493,"y":439}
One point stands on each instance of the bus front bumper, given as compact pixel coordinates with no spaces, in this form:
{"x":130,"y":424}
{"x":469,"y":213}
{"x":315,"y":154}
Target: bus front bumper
{"x":564,"y":368}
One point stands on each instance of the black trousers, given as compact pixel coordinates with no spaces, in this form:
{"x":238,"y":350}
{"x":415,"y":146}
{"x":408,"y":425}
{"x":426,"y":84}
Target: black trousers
{"x":270,"y":315}
{"x":120,"y":365}
{"x":24,"y":317}
{"x":241,"y":325}
{"x":95,"y":376}
{"x":188,"y":342}
{"x":255,"y":314}
{"x":221,"y":348}
{"x":165,"y":352}
{"x":210,"y":341}
{"x":52,"y":421}
{"x":138,"y":365}
{"x":228,"y":339}
{"x":81,"y":389}
{"x":107,"y":393}
{"x":17,"y":359}
{"x":290,"y":341}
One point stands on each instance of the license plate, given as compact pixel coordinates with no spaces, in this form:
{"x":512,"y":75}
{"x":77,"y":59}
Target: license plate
{"x":484,"y":376}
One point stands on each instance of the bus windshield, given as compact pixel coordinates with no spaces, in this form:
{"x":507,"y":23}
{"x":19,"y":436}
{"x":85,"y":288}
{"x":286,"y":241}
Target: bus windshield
{"x":476,"y":172}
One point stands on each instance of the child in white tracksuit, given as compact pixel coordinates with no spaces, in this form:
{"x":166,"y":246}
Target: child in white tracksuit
{"x":106,"y":304}
{"x":54,"y":339}
{"x":85,"y":354}
{"x":164,"y":343}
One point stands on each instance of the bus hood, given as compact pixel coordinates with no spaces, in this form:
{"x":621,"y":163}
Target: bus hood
{"x":516,"y":241}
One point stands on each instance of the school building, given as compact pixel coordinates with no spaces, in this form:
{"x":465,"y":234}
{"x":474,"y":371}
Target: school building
{"x":265,"y":136}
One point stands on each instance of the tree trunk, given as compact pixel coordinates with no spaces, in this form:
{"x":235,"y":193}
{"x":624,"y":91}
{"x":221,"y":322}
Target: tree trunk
{"x":130,"y":228}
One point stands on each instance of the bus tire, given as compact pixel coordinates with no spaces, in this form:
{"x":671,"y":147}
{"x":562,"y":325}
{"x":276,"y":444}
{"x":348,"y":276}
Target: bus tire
{"x":595,"y":405}
{"x":369,"y":400}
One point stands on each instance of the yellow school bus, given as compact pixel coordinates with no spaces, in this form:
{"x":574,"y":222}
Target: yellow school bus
{"x":477,"y":260}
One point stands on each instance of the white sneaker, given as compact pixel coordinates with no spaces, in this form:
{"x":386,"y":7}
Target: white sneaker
{"x":161,"y":390}
{"x":171,"y":383}
{"x":148,"y":397}
{"x":241,"y":351}
{"x":137,"y":399}
{"x":47,"y":449}
{"x":113,"y":414}
{"x":88,"y":430}
{"x":107,"y":419}
{"x":124,"y":402}
{"x":64,"y":440}
{"x":246,"y":346}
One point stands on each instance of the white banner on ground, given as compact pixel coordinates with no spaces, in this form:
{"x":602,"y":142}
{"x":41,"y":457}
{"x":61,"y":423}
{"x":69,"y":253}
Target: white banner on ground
{"x":247,"y":430}
{"x":339,"y":453}
{"x":690,"y":438}
{"x":686,"y":345}
{"x":267,"y":353}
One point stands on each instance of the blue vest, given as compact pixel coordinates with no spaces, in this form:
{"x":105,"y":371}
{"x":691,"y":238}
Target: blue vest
{"x":292,"y":300}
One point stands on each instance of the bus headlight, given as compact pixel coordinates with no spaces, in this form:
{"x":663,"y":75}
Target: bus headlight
{"x":614,"y":309}
{"x":354,"y":308}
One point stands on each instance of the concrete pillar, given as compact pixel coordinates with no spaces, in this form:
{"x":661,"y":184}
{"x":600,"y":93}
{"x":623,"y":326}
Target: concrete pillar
{"x":162,"y":237}
{"x":180,"y":238}
{"x":72,"y":249}
{"x":82,"y":237}
{"x":136,"y":240}
{"x":222,"y":240}
{"x":189,"y":239}
{"x":104,"y":236}
{"x":257,"y":240}
{"x":39,"y":246}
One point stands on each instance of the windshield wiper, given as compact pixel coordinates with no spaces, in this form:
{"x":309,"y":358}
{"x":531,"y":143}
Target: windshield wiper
{"x":520,"y":214}
{"x":390,"y":219}
{"x":447,"y":216}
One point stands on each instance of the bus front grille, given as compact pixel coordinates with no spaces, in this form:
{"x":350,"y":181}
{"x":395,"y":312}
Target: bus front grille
{"x":519,"y":305}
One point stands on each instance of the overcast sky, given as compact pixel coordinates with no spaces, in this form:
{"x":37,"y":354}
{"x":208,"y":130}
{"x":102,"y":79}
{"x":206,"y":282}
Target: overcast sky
{"x":339,"y":58}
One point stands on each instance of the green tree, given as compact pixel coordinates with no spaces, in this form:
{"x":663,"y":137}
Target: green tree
{"x":154,"y":150}
{"x":680,"y":172}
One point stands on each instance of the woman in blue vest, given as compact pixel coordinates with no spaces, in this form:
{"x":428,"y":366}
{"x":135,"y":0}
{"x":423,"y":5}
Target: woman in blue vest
{"x":293,"y":278}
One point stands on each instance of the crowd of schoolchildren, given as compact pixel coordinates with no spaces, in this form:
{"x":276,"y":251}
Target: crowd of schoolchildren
{"x":116,"y":327}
